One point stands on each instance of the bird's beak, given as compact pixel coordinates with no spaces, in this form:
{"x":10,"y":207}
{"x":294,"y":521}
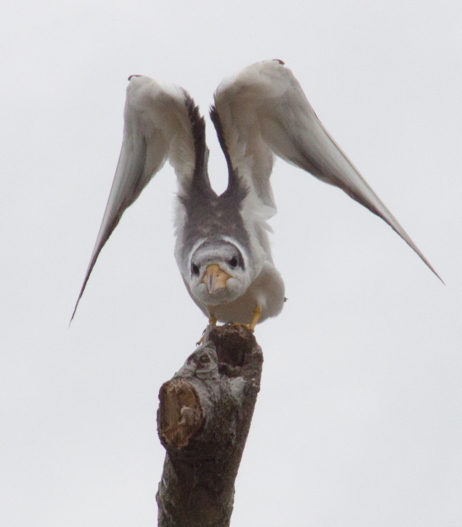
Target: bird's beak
{"x":215,"y":278}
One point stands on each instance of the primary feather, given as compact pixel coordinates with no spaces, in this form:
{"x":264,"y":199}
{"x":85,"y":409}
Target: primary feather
{"x":157,"y":127}
{"x":264,"y":111}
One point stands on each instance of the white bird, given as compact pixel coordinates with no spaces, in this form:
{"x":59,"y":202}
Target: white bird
{"x":222,"y":247}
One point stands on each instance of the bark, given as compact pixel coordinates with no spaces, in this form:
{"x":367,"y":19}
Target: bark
{"x":203,"y":422}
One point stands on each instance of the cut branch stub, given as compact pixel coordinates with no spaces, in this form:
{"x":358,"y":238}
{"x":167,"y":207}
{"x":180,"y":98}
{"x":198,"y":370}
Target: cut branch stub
{"x":203,"y":421}
{"x":181,"y":414}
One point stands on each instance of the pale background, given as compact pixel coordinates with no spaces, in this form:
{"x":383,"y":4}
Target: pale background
{"x":358,"y":423}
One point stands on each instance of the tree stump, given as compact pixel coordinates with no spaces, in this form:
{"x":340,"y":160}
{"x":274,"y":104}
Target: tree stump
{"x":203,"y":421}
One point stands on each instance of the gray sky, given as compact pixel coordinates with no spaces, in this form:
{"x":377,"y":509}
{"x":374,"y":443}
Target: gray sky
{"x":359,"y":419}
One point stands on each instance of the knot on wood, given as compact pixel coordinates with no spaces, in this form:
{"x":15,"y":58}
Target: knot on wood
{"x":181,"y":414}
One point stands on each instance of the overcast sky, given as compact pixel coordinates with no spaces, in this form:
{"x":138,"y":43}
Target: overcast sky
{"x":358,"y":422}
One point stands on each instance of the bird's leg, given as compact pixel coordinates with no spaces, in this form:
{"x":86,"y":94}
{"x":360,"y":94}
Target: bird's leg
{"x":256,"y":317}
{"x":212,"y":322}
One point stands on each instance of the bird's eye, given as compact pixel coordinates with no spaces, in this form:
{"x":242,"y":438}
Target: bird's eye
{"x":194,"y":269}
{"x":233,"y":262}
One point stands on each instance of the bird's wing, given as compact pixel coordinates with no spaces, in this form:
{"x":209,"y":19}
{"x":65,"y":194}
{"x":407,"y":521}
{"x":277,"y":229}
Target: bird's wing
{"x":157,"y":126}
{"x":263,"y":110}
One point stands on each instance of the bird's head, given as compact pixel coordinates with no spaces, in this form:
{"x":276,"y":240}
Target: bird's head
{"x":218,"y":272}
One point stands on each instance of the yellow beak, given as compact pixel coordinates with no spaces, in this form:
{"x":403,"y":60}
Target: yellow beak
{"x":215,"y":278}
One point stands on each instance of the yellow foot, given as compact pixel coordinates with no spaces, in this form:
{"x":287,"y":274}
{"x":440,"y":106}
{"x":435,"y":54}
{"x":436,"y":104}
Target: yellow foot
{"x":212,"y":322}
{"x":256,"y":317}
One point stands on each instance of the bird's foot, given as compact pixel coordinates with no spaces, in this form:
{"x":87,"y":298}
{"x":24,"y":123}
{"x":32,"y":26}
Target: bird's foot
{"x":256,"y":317}
{"x":212,"y":322}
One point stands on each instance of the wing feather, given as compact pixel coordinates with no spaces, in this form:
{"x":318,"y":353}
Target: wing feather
{"x":264,"y":111}
{"x":157,"y":127}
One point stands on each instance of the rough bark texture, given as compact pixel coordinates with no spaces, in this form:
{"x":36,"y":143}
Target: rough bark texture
{"x":203,"y":421}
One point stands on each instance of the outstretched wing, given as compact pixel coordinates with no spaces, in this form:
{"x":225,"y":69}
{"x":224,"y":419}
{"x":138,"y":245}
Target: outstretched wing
{"x":159,"y":124}
{"x":263,"y":110}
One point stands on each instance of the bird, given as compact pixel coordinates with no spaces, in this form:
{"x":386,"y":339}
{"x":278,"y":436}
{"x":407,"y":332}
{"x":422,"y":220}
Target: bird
{"x":222,"y":244}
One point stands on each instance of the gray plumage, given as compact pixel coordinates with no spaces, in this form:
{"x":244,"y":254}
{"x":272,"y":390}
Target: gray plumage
{"x":222,"y":247}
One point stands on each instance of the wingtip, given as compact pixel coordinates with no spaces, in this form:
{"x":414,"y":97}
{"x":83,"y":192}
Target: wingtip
{"x":437,"y":275}
{"x":412,"y":245}
{"x":74,"y":312}
{"x":420,"y":255}
{"x":82,"y":289}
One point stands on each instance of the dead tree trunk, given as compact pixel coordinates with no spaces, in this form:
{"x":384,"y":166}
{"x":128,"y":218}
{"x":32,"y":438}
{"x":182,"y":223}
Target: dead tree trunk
{"x":203,"y":421}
